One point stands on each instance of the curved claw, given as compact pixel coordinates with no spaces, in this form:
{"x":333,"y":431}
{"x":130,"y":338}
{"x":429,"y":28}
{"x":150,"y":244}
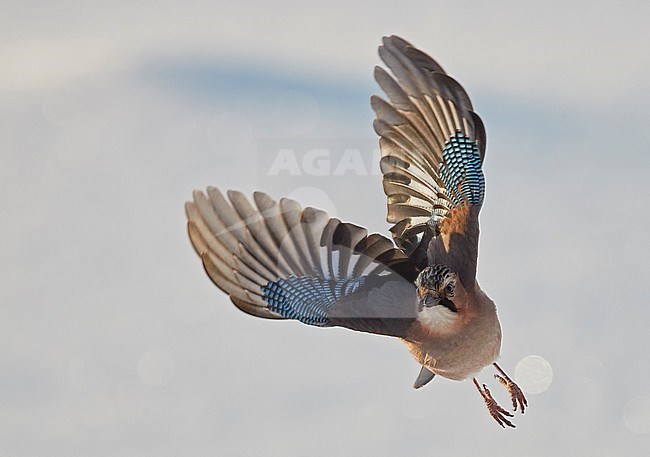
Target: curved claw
{"x":497,"y":412}
{"x":516,"y":395}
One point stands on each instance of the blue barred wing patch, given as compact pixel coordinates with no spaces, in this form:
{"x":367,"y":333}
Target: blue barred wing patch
{"x":461,"y":171}
{"x":307,"y":299}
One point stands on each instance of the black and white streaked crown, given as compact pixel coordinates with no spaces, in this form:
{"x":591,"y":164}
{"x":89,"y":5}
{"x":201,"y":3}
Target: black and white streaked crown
{"x":433,"y":277}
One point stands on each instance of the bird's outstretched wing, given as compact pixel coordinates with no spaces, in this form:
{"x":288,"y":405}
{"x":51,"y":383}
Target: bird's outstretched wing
{"x":278,"y":261}
{"x":432,"y":145}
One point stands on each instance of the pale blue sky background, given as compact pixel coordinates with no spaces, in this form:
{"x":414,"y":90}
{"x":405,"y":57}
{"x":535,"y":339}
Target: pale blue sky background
{"x":114,"y":342}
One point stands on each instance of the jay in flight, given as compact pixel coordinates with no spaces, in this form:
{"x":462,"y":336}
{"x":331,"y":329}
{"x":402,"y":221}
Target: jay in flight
{"x":277,"y":260}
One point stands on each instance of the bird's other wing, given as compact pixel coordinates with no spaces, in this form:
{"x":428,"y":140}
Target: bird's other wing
{"x":279,"y":261}
{"x":432,"y":145}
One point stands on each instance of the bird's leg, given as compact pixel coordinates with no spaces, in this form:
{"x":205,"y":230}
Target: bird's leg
{"x":497,"y":412}
{"x":517,"y":396}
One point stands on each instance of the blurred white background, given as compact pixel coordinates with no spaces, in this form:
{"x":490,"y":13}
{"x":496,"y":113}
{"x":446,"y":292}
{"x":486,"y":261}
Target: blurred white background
{"x":114,"y":342}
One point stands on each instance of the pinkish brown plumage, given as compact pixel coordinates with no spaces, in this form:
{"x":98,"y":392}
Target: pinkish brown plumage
{"x":277,"y":260}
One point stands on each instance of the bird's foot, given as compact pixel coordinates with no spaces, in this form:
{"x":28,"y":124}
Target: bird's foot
{"x":497,"y":412}
{"x":516,"y":395}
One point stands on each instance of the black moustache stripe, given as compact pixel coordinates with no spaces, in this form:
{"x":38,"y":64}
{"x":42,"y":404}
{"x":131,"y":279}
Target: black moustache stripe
{"x":448,"y":304}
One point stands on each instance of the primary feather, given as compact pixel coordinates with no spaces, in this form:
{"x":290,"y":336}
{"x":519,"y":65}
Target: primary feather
{"x":432,"y":145}
{"x":279,"y":261}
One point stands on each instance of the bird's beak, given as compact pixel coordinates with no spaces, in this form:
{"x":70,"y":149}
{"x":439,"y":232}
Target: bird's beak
{"x":427,"y":301}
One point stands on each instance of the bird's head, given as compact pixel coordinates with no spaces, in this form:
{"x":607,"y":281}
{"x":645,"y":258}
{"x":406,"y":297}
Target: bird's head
{"x":438,"y":286}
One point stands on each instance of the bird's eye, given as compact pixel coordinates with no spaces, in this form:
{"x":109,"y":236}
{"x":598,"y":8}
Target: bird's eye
{"x":449,"y":289}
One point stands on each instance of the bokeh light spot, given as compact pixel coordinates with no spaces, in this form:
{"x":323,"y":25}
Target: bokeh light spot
{"x":636,"y":414}
{"x":534,"y":374}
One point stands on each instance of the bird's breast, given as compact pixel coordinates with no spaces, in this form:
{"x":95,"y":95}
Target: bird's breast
{"x":460,"y":355}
